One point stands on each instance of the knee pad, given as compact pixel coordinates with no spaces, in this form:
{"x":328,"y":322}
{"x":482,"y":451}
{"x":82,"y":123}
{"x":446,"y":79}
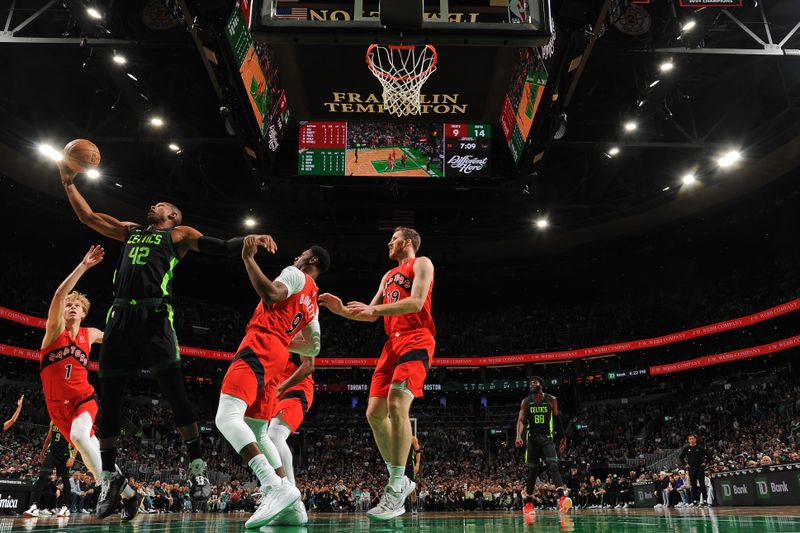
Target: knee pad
{"x":230,"y":422}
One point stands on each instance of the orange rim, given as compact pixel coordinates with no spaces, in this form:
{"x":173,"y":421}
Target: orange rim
{"x":380,"y":73}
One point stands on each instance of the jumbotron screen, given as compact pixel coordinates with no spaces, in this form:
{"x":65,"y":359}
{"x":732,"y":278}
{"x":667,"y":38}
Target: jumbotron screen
{"x":396,"y":150}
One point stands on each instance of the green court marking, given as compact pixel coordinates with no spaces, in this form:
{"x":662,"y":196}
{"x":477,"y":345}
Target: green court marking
{"x":746,"y":520}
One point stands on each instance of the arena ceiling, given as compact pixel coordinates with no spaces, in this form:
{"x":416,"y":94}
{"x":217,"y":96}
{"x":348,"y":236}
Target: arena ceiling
{"x":734,"y":85}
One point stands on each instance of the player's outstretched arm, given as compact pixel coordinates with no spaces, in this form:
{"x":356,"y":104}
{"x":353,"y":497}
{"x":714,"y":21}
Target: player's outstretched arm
{"x":55,"y":315}
{"x":269,"y":291}
{"x":11,"y":421}
{"x":103,"y":224}
{"x":187,"y":238}
{"x":305,"y":369}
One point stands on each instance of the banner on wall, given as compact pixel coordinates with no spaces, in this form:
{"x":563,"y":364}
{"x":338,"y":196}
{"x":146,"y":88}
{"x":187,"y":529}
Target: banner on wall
{"x":517,"y":359}
{"x":763,"y":486}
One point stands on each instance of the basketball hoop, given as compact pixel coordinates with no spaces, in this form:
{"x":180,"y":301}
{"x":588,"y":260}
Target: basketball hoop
{"x":401,"y":70}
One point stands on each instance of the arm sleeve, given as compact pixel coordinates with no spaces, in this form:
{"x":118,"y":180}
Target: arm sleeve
{"x":293,"y":279}
{"x":214,"y":246}
{"x":308,"y":342}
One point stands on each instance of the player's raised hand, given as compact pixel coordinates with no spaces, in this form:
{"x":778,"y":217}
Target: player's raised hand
{"x":266,"y":242}
{"x":93,"y":256}
{"x":67,"y":174}
{"x":518,"y":443}
{"x":19,"y":402}
{"x":333,"y":303}
{"x":249,"y":247}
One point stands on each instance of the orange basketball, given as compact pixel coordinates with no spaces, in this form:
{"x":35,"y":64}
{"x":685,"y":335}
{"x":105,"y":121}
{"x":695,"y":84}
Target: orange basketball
{"x":81,"y":155}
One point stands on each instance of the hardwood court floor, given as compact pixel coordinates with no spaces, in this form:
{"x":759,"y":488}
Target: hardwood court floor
{"x":728,"y":520}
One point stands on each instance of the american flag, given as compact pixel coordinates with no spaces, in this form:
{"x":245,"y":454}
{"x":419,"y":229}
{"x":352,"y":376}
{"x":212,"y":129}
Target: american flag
{"x":291,"y":13}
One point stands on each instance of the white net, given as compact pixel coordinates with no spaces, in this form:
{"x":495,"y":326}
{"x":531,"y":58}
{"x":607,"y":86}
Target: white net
{"x":401,"y":70}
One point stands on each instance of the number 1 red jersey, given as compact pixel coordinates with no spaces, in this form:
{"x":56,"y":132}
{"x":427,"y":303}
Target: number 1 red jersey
{"x":398,"y":287}
{"x":63,"y":367}
{"x":284,"y":319}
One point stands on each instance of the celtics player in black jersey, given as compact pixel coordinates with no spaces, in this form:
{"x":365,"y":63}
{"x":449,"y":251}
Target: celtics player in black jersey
{"x":539,"y":423}
{"x":139,"y":331}
{"x":56,"y":455}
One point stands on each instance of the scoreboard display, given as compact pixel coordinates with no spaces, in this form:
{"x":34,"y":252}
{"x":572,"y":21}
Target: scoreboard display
{"x":467,"y":148}
{"x":402,"y":150}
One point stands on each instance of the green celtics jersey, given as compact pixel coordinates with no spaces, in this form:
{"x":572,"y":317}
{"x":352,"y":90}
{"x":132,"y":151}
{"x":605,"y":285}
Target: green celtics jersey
{"x":540,"y":416}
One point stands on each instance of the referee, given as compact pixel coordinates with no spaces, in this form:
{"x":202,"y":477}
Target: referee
{"x":694,"y":457}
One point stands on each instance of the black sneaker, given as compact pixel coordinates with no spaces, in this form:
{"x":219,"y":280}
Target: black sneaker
{"x":130,"y":507}
{"x":110,"y":489}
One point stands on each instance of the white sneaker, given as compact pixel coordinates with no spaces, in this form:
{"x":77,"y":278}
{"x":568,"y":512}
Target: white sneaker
{"x":64,"y":511}
{"x":392,"y":504}
{"x":32,"y":511}
{"x":85,"y":511}
{"x":294,"y":515}
{"x":45,"y":512}
{"x":277,"y":500}
{"x":657,"y":506}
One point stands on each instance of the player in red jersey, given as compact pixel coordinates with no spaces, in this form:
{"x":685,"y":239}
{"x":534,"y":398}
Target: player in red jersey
{"x":288,"y":305}
{"x":70,"y":398}
{"x":404,"y":301}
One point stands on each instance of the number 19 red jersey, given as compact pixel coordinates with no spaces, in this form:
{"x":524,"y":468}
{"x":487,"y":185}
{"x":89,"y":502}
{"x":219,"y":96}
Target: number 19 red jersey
{"x":398,"y":287}
{"x":63,"y":367}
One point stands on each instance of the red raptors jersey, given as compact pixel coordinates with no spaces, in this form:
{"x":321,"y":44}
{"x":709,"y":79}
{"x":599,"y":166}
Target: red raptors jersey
{"x":284,"y":319}
{"x":398,"y":287}
{"x":63,"y":367}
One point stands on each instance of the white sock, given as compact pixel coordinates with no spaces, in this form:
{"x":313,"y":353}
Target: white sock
{"x":264,"y":472}
{"x":278,"y":432}
{"x":396,"y":474}
{"x":389,"y":468}
{"x":87,"y":444}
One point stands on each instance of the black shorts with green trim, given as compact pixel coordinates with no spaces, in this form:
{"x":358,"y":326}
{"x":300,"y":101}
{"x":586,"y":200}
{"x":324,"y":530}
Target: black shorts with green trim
{"x":139,"y":335}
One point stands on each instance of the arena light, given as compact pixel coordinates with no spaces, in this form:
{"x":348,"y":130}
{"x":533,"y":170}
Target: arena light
{"x":542,"y":223}
{"x":174,"y":147}
{"x":92,"y":12}
{"x":131,"y":76}
{"x":654,"y":83}
{"x":119,"y":59}
{"x":666,"y":66}
{"x":688,"y":25}
{"x":50,"y":152}
{"x":93,"y":173}
{"x":688,"y":179}
{"x":665,"y":189}
{"x":729,"y":158}
{"x":630,"y":125}
{"x":156,"y":121}
{"x":612,"y":151}
{"x":250,"y":222}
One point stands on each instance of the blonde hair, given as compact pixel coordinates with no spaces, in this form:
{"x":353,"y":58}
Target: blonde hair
{"x":410,"y":234}
{"x":81,"y":298}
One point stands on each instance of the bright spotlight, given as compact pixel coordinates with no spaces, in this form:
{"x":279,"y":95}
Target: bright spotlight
{"x":688,"y":25}
{"x":95,"y":14}
{"x":250,"y":222}
{"x":119,"y":59}
{"x":93,"y":173}
{"x":613,"y":151}
{"x":665,"y":189}
{"x":156,"y":121}
{"x":542,"y":223}
{"x":729,"y":158}
{"x":666,"y":66}
{"x":688,"y":179}
{"x":174,"y":147}
{"x":630,"y":125}
{"x":131,"y":76}
{"x":655,"y":82}
{"x":50,"y":152}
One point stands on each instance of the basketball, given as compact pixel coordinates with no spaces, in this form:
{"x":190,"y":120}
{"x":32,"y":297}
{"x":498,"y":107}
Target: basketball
{"x":81,"y":155}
